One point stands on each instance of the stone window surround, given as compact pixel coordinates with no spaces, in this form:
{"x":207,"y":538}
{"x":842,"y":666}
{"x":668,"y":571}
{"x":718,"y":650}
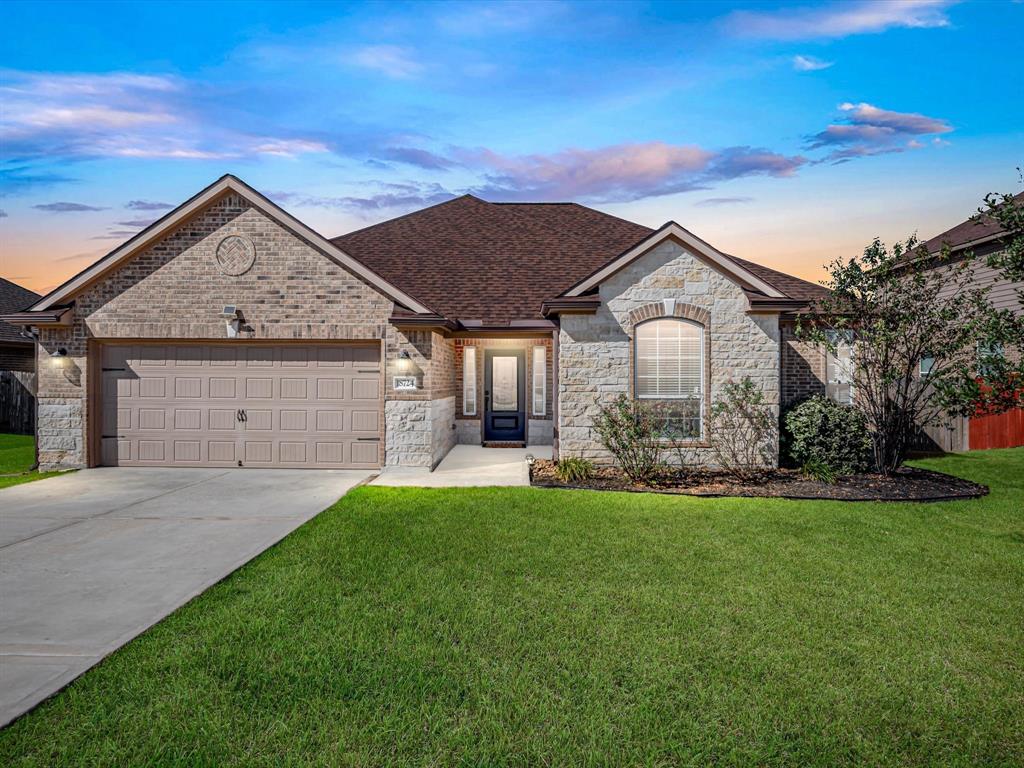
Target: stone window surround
{"x":668,"y":309}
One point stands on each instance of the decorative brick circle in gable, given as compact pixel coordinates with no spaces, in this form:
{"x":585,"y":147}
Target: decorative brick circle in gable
{"x":235,"y":255}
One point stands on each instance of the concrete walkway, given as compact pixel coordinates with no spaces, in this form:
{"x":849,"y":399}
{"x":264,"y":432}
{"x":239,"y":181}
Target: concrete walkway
{"x":469,"y":465}
{"x":91,"y":559}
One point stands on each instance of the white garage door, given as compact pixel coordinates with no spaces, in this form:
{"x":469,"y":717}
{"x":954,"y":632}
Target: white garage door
{"x":231,"y":405}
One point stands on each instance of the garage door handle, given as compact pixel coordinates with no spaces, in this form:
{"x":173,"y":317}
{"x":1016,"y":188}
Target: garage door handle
{"x":368,"y":439}
{"x":241,"y":415}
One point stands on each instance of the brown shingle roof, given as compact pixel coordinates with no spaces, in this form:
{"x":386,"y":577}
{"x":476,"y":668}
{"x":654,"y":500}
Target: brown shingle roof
{"x":468,"y":259}
{"x":14,"y":298}
{"x":967,"y":231}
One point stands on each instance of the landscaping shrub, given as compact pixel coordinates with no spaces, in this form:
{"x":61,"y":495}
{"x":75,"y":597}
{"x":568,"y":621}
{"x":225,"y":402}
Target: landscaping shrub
{"x":743,"y":431}
{"x":629,"y":430}
{"x":818,"y":470}
{"x":823,"y":432}
{"x":574,"y":469}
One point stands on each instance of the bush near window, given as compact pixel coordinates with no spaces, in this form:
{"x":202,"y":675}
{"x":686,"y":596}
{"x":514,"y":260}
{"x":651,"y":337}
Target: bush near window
{"x":743,"y":431}
{"x":823,"y":433}
{"x":574,"y":469}
{"x":631,"y":433}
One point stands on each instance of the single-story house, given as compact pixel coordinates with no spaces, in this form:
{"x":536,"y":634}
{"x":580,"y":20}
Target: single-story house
{"x":229,"y":333}
{"x":17,"y":362}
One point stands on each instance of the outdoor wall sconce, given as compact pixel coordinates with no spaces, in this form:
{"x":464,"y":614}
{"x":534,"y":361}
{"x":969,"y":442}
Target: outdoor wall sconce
{"x":404,"y":361}
{"x":59,"y":357}
{"x":232,"y":320}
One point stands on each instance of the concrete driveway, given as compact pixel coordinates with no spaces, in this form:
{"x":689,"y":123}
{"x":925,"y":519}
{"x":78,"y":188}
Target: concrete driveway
{"x":91,"y":559}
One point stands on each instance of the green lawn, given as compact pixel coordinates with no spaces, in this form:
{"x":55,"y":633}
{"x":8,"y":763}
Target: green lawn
{"x":17,"y":455}
{"x":539,"y":627}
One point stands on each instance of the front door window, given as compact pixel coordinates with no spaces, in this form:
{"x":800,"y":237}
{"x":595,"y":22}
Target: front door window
{"x":505,"y":380}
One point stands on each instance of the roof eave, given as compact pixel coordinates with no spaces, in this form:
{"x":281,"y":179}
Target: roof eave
{"x":55,"y":317}
{"x":584,"y":305}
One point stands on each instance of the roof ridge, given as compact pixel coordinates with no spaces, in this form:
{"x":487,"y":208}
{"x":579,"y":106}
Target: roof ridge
{"x":613,"y":216}
{"x":411,"y":213}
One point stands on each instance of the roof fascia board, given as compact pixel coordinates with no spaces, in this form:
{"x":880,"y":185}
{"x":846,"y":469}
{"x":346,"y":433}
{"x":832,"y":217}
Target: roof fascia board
{"x":691,"y":241}
{"x":226,"y":184}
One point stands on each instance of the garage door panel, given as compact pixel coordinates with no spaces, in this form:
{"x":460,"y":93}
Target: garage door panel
{"x":293,"y":421}
{"x":259,"y":388}
{"x":188,"y":418}
{"x":366,"y":389}
{"x":152,"y":386}
{"x":223,"y":419}
{"x":223,"y":405}
{"x":223,"y":387}
{"x":294,"y":389}
{"x":221,"y":451}
{"x":151,"y":419}
{"x":364,"y":453}
{"x":366,"y":421}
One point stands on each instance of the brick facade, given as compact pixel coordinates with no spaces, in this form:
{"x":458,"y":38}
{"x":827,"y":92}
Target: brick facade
{"x":803,"y":367}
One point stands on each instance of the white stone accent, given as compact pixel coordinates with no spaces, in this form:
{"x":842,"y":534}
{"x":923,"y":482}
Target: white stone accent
{"x":594,"y":350}
{"x":540,"y":432}
{"x":468,"y":431}
{"x":442,"y":418}
{"x":418,"y":433}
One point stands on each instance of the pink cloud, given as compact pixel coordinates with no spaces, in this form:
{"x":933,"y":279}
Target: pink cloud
{"x":839,"y":19}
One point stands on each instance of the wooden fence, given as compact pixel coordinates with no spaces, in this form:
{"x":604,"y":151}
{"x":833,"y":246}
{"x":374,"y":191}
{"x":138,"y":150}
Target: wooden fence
{"x":1004,"y":430}
{"x":17,"y":402}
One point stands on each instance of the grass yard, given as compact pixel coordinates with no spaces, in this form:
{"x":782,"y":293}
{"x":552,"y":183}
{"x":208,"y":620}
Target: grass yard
{"x":538,"y":627}
{"x":17,"y":455}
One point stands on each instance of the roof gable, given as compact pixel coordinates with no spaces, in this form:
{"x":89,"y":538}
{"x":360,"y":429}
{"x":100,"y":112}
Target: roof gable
{"x":224,"y":185}
{"x":671,"y":230}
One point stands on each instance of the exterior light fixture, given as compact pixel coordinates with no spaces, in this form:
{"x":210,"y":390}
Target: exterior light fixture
{"x":59,"y":357}
{"x":404,"y":361}
{"x":232,"y":320}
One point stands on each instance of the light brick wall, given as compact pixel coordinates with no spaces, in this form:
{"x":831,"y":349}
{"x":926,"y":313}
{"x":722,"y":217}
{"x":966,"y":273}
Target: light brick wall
{"x":175,"y":290}
{"x":432,"y":362}
{"x":595,"y":351}
{"x":803,"y":367}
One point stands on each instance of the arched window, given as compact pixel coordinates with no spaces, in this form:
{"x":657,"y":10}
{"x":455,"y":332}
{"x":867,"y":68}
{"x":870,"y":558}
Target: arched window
{"x":668,"y":360}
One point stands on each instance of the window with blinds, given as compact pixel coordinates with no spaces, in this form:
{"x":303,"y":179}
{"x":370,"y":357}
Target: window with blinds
{"x":669,"y":359}
{"x":540,"y":368}
{"x":469,"y":381}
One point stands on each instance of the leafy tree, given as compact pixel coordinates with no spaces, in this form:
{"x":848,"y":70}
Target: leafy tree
{"x":927,"y":339}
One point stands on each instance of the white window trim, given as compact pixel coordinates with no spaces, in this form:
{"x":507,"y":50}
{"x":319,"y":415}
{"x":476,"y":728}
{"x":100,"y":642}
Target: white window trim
{"x":468,"y":380}
{"x":543,"y":380}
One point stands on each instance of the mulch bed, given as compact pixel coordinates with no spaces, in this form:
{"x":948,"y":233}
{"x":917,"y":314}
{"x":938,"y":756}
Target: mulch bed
{"x":908,"y":484}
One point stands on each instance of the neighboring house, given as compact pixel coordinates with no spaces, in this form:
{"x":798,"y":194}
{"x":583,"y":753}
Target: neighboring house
{"x":228,"y":333}
{"x":17,"y":363}
{"x":981,"y":236}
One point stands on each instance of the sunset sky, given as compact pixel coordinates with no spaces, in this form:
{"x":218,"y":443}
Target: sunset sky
{"x":788,"y":134}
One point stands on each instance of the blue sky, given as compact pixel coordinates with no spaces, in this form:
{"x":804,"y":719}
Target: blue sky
{"x":786,"y":133}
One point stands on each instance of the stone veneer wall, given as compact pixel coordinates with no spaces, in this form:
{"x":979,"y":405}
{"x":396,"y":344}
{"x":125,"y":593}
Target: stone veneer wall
{"x":595,"y":351}
{"x":421,"y":430}
{"x":175,"y":290}
{"x":803,"y":367}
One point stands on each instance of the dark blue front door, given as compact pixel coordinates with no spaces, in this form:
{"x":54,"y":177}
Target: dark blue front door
{"x":505,"y":395}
